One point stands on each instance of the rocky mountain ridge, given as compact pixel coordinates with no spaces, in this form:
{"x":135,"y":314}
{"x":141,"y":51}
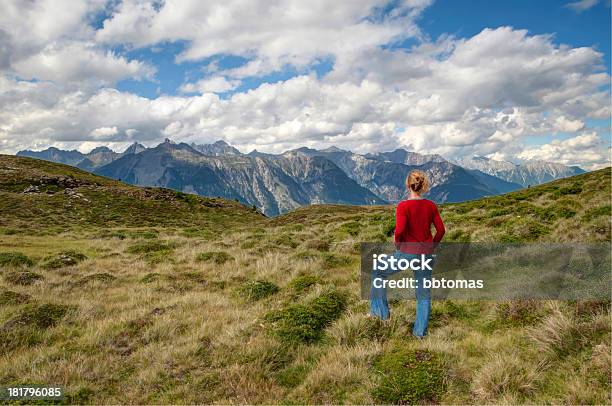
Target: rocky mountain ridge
{"x":277,"y":183}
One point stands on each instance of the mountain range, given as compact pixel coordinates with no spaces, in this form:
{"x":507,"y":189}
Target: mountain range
{"x":277,"y":183}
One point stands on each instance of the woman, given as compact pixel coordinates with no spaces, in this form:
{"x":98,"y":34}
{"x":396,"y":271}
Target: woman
{"x":413,"y":220}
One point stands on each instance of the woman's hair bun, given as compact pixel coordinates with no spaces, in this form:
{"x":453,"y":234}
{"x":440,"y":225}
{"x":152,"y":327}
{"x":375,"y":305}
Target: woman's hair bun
{"x":417,"y":181}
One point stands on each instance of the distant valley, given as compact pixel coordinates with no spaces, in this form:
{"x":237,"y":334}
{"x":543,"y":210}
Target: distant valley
{"x":277,"y":183}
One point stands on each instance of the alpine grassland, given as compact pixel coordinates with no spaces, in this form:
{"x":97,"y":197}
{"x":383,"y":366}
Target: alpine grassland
{"x":127,"y":295}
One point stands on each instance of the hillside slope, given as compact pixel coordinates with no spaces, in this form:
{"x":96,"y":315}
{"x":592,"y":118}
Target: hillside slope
{"x":169,"y":300}
{"x":37,"y":195}
{"x":571,"y":209}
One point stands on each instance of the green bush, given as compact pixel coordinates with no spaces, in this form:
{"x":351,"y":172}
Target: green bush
{"x":305,"y":323}
{"x":303,"y":282}
{"x":63,"y":259}
{"x":188,"y":198}
{"x":568,"y":190}
{"x":217,"y":257}
{"x":500,"y":212}
{"x":458,"y":236}
{"x":565,"y":212}
{"x":148,"y":247}
{"x":256,"y":290}
{"x":335,"y":260}
{"x":8,"y":297}
{"x":38,"y":316}
{"x":351,"y":228}
{"x":292,"y":376}
{"x":409,"y":376}
{"x":285,"y":240}
{"x":596,"y":212}
{"x":23,"y":278}
{"x":15,"y":259}
{"x":389,"y":228}
{"x":103,"y":277}
{"x":151,"y":277}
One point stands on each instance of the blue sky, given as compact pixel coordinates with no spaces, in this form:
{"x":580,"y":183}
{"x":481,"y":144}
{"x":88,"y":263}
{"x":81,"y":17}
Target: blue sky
{"x":464,"y":18}
{"x":512,"y":81}
{"x":459,"y":18}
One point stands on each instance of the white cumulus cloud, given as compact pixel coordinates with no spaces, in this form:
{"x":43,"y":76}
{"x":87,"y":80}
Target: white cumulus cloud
{"x":483,"y":94}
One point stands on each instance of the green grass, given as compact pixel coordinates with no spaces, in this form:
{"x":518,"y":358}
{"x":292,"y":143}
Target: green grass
{"x":183,"y":299}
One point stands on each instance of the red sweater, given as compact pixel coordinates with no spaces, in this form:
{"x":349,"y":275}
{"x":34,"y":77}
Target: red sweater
{"x":413,"y":220}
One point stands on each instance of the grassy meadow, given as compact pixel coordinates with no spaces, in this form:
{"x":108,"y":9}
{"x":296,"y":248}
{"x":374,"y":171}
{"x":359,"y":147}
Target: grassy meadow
{"x":142,"y":295}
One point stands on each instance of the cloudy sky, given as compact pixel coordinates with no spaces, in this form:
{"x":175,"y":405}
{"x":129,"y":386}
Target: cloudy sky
{"x":508,"y":80}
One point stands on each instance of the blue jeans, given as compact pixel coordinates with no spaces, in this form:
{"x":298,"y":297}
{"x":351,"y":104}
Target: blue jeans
{"x":379,"y":306}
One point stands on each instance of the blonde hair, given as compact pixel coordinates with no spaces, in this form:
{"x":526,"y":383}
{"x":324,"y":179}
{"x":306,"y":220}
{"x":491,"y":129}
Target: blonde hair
{"x":417,"y":182}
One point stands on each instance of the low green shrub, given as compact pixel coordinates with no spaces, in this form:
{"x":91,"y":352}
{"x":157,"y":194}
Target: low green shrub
{"x":303,"y":282}
{"x":63,"y":259}
{"x":15,"y":259}
{"x":188,"y":198}
{"x":217,"y":257}
{"x":23,"y":278}
{"x":8,"y":297}
{"x":409,"y":376}
{"x":388,"y":228}
{"x":103,"y":277}
{"x":292,"y":376}
{"x":568,"y":190}
{"x":151,"y":277}
{"x":594,"y":212}
{"x":458,"y":236}
{"x":38,"y":315}
{"x":305,"y":323}
{"x":197,"y":277}
{"x":256,"y":290}
{"x":351,"y":228}
{"x":335,"y":260}
{"x":147,"y":247}
{"x":564,"y":212}
{"x":285,"y":240}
